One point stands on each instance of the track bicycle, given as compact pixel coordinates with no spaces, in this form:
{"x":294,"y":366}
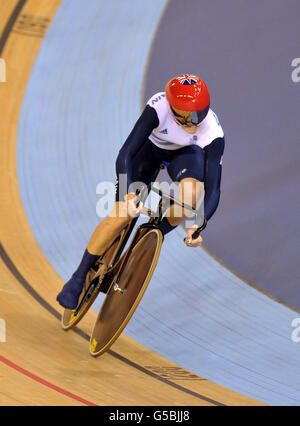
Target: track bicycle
{"x":123,"y":274}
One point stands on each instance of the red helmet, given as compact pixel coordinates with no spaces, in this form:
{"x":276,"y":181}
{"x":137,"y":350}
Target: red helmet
{"x":188,"y":92}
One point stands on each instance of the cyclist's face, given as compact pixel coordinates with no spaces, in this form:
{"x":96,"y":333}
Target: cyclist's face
{"x":184,"y":119}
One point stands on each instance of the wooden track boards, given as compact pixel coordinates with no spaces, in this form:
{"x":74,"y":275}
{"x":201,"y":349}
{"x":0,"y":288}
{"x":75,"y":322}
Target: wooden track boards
{"x":40,"y":364}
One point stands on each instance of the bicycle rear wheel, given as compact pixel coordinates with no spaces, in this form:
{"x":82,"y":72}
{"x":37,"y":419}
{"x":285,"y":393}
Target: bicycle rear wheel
{"x":91,"y":288}
{"x":126,"y":291}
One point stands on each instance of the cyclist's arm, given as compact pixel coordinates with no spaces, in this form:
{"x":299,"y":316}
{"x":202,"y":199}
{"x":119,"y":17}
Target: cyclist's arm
{"x":139,"y":135}
{"x":213,"y":170}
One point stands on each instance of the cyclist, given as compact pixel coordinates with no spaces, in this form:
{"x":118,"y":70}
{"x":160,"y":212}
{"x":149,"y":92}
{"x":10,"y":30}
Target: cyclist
{"x":177,"y":126}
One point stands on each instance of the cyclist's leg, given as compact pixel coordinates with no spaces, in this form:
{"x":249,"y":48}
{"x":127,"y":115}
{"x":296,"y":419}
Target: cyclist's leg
{"x":102,"y":236}
{"x":69,"y":295}
{"x":144,"y":166}
{"x":187,"y":168}
{"x":108,"y":228}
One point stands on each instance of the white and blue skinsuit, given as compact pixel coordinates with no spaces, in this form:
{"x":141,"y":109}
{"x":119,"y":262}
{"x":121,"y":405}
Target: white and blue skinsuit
{"x":157,"y":137}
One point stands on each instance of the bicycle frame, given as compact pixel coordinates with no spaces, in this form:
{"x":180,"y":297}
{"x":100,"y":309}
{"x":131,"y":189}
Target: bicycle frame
{"x":110,"y":270}
{"x":154,"y":221}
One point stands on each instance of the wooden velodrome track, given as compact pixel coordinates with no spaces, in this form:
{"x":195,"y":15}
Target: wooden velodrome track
{"x":40,"y":364}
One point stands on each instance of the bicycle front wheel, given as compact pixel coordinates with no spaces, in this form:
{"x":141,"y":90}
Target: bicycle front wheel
{"x":91,"y":287}
{"x":126,"y":291}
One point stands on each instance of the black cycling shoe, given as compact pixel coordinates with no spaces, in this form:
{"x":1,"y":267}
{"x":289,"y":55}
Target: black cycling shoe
{"x":69,"y":295}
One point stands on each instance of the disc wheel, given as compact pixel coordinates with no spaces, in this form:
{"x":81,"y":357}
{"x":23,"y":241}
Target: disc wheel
{"x":125,"y":292}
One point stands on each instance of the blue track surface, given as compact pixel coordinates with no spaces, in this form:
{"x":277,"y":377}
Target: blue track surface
{"x":82,"y":99}
{"x":244,"y":51}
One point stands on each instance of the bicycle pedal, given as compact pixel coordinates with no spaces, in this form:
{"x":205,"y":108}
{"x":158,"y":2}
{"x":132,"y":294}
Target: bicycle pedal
{"x":119,"y":289}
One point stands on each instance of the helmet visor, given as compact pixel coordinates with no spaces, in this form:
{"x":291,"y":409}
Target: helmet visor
{"x":191,"y":118}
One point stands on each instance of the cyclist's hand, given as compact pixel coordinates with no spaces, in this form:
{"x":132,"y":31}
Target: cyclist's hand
{"x":189,"y":240}
{"x":131,"y":201}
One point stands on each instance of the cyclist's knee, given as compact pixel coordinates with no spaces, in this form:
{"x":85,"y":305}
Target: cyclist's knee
{"x":119,"y":215}
{"x":191,"y":192}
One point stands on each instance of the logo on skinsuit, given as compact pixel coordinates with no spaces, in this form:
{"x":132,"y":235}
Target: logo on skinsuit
{"x":155,"y":100}
{"x":165,"y":131}
{"x":180,"y":173}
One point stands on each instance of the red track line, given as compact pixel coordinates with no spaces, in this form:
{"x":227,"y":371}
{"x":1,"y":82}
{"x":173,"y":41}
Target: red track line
{"x":44,"y":382}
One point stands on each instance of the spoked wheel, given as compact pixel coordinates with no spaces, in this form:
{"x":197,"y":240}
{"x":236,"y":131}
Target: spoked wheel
{"x":126,"y":291}
{"x":92,"y":286}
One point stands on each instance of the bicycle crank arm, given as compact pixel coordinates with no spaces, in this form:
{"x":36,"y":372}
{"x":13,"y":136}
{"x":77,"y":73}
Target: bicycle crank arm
{"x":94,"y":286}
{"x":88,"y":294}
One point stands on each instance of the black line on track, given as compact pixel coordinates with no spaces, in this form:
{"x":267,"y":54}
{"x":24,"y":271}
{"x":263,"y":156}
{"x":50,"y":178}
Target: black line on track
{"x":11,"y":266}
{"x":10,"y":23}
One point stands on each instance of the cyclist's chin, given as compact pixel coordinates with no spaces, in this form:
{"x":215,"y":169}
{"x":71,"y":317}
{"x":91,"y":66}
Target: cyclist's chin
{"x":190,"y":129}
